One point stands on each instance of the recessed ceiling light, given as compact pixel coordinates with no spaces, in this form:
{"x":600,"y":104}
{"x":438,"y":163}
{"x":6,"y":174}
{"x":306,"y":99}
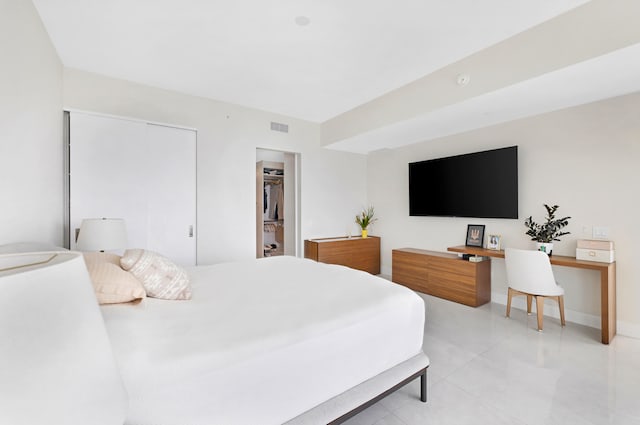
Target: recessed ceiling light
{"x":302,"y":21}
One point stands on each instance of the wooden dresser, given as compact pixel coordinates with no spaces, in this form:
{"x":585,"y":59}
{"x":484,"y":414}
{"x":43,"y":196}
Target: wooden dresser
{"x":356,"y":252}
{"x":442,"y":275}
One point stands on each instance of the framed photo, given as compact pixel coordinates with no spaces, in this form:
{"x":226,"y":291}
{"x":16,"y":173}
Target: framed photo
{"x":475,"y":235}
{"x":494,"y":242}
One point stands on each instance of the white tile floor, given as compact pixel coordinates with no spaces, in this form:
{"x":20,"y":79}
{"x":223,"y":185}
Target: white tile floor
{"x":487,"y":369}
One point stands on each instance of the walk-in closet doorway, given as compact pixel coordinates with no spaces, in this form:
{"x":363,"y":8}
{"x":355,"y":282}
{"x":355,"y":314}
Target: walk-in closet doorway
{"x":277,"y":203}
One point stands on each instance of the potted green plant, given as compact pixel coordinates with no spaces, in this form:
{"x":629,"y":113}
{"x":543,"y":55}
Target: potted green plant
{"x":364,"y":219}
{"x":551,"y":230}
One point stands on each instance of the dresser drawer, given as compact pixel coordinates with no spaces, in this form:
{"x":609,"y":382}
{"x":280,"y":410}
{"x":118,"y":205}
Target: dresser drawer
{"x":456,"y":266}
{"x":357,"y":253}
{"x":409,"y":269}
{"x":443,"y":275}
{"x":460,"y":289}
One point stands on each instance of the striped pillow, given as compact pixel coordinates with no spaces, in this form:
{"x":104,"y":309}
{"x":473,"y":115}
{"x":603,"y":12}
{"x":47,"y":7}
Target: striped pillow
{"x":160,"y":277}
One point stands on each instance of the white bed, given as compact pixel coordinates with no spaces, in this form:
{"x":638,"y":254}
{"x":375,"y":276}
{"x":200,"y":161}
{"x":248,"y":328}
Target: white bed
{"x":261,"y":342}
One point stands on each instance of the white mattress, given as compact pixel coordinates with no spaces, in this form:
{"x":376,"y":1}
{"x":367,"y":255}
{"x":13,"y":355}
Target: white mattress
{"x":261,"y":341}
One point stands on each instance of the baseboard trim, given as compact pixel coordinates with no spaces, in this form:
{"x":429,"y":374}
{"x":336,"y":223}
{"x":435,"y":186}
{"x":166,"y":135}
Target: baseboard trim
{"x":631,"y":330}
{"x":551,"y":309}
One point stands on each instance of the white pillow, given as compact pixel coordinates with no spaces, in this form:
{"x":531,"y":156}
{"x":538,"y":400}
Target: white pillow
{"x":160,"y":277}
{"x":57,"y":365}
{"x":101,"y":257}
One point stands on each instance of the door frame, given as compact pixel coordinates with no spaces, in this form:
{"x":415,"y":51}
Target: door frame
{"x":297,"y":224}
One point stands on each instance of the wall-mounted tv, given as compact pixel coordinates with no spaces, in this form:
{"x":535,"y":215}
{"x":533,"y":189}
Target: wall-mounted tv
{"x":480,"y":184}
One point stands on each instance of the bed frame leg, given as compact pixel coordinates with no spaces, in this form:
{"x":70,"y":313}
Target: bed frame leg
{"x":423,"y":386}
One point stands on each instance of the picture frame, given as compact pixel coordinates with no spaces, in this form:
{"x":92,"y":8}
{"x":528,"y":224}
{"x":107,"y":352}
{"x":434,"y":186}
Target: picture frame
{"x":494,"y":242}
{"x":475,"y":235}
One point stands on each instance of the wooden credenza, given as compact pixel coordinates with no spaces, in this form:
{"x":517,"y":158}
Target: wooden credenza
{"x":357,"y":253}
{"x":442,"y":275}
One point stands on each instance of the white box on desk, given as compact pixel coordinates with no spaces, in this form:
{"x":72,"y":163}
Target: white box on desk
{"x":595,"y":250}
{"x":599,"y":255}
{"x":595,"y":244}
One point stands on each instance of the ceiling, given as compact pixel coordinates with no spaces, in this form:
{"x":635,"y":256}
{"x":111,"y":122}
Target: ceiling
{"x":602,"y":77}
{"x":359,"y":66}
{"x":254,"y":53}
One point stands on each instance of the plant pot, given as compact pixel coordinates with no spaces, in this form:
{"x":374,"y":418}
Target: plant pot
{"x":545,"y":247}
{"x":364,"y":233}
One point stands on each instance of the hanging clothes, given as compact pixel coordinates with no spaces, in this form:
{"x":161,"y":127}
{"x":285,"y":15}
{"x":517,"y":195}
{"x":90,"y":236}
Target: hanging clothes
{"x":276,"y":202}
{"x":267,"y":200}
{"x":264,"y":198}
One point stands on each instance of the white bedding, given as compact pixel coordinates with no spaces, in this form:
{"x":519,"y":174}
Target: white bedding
{"x":261,"y":341}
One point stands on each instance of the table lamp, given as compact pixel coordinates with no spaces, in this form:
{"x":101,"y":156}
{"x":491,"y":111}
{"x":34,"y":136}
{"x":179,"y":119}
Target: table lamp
{"x":102,"y":234}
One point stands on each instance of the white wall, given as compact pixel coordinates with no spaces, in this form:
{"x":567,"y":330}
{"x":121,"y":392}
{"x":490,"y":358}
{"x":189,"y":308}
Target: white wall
{"x":333,"y":183}
{"x":584,"y":159}
{"x":30,"y":128}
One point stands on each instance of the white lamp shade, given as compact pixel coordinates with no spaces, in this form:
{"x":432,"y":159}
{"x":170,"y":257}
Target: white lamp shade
{"x":102,"y":234}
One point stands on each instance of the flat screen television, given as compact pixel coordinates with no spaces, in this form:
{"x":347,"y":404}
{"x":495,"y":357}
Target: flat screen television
{"x":481,"y":184}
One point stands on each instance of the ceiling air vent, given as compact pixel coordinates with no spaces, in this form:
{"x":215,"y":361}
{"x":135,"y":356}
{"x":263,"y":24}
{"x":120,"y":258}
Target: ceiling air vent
{"x":276,"y":126}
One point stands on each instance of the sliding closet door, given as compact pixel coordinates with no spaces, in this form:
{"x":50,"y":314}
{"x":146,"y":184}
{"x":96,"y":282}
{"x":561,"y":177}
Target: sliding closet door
{"x":171,"y":192}
{"x":140,"y":172}
{"x":105,"y":177}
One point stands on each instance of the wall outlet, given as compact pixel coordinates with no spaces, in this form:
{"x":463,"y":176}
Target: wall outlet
{"x":587,"y":231}
{"x":600,"y":232}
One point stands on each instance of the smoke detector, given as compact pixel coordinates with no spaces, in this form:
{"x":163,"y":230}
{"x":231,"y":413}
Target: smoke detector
{"x":463,"y":79}
{"x":302,"y":21}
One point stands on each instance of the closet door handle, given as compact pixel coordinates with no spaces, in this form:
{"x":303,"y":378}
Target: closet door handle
{"x":191,"y":230}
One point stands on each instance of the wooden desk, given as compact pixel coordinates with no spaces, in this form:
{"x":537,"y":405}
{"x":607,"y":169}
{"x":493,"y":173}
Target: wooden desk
{"x":607,"y":283}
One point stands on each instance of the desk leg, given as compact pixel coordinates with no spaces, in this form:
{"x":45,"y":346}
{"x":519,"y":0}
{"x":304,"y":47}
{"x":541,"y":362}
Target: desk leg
{"x":608,"y":302}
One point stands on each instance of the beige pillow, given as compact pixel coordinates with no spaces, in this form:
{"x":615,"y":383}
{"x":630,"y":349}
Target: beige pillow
{"x":110,"y":283}
{"x":159,"y":275}
{"x":101,"y":257}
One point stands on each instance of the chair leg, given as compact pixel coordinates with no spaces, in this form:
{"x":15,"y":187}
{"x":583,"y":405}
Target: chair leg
{"x":561,"y":305}
{"x":529,"y":299}
{"x":509,"y":296}
{"x":539,"y":310}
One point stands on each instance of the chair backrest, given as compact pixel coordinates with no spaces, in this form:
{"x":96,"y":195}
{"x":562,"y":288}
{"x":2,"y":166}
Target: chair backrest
{"x":530,"y":271}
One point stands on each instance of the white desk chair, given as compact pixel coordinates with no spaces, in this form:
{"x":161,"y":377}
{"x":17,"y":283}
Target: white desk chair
{"x":529,"y":273}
